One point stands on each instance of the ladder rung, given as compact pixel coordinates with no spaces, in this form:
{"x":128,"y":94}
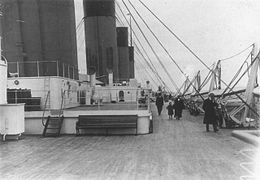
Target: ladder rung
{"x":53,"y":128}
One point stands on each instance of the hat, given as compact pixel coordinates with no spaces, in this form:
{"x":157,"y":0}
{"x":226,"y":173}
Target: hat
{"x":211,"y":94}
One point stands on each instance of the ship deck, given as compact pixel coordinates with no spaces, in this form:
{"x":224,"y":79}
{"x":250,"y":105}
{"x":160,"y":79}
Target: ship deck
{"x":176,"y":150}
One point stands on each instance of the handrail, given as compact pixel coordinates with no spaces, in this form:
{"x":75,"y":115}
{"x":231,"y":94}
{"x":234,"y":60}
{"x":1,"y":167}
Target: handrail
{"x":44,"y":109}
{"x":62,"y":69}
{"x":62,"y":103}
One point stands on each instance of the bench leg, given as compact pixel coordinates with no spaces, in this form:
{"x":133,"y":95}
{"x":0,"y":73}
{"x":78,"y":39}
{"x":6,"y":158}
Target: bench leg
{"x":77,"y":131}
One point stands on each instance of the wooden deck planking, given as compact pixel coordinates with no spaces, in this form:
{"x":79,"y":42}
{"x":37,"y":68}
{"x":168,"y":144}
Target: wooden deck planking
{"x":176,"y":150}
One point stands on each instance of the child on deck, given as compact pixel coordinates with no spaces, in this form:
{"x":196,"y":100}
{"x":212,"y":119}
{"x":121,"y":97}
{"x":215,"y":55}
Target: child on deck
{"x":170,"y":110}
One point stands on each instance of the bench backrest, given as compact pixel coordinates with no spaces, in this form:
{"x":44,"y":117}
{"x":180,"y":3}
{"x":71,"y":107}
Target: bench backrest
{"x":104,"y":119}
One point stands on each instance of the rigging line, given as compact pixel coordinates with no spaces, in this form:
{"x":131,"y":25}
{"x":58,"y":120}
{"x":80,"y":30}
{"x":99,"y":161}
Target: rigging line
{"x":156,"y":83}
{"x":157,"y":79}
{"x":237,"y":53}
{"x":178,"y":90}
{"x":80,"y":23}
{"x":231,"y":89}
{"x":207,"y":78}
{"x":157,"y":39}
{"x":191,"y":84}
{"x":154,"y":71}
{"x":169,"y":76}
{"x":119,"y":19}
{"x":136,"y":37}
{"x":140,"y":76}
{"x":194,"y":54}
{"x":250,"y":65}
{"x":151,"y":65}
{"x":79,"y":34}
{"x":145,"y":69}
{"x":235,"y":76}
{"x":183,"y":84}
{"x":81,"y":44}
{"x":188,"y":87}
{"x":173,"y":34}
{"x":147,"y":73}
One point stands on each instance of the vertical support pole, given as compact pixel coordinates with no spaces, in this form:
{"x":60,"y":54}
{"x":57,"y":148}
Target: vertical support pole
{"x":15,"y":96}
{"x":57,"y":68}
{"x":38,"y":68}
{"x":73,"y":73}
{"x":63,"y":72}
{"x":251,"y":82}
{"x":69,"y":71}
{"x":137,"y":103}
{"x":149,"y":104}
{"x":219,"y":75}
{"x":17,"y":68}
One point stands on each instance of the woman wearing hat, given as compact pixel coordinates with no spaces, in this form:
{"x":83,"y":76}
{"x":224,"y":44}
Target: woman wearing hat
{"x":209,"y":106}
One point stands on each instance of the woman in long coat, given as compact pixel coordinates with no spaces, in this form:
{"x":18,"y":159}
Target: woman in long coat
{"x":178,"y":106}
{"x":209,"y":106}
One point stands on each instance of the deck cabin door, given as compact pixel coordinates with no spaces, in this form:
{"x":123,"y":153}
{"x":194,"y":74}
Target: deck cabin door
{"x":121,"y":96}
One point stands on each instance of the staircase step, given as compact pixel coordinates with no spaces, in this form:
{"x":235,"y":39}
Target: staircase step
{"x":54,"y":125}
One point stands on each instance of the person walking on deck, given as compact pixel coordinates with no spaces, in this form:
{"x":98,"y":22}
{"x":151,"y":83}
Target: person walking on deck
{"x":209,"y":106}
{"x":159,"y":103}
{"x":178,"y":106}
{"x":170,"y":110}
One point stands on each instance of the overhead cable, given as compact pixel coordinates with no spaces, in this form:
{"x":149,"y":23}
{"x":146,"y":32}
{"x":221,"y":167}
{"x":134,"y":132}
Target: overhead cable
{"x":157,"y":57}
{"x":195,"y":55}
{"x":150,"y":65}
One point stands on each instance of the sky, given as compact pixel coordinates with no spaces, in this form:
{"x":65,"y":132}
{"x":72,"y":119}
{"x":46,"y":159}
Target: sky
{"x":212,"y":29}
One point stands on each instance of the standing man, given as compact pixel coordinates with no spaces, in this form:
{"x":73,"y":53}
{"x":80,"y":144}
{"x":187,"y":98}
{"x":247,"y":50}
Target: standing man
{"x":159,"y":103}
{"x":178,"y":106}
{"x":209,"y":106}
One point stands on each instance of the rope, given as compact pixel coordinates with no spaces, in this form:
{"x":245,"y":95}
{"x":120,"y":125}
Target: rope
{"x":158,"y":41}
{"x":237,"y":53}
{"x":136,"y":37}
{"x":178,"y":90}
{"x":151,"y":65}
{"x":195,"y":54}
{"x":142,"y":66}
{"x":176,"y":87}
{"x":243,"y":74}
{"x":155,"y":72}
{"x":236,"y":75}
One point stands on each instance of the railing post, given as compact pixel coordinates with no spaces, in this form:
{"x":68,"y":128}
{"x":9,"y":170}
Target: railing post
{"x":38,"y":68}
{"x":68,"y":71}
{"x":137,"y":103}
{"x":17,"y":67}
{"x":63,"y":72}
{"x":149,"y":103}
{"x":15,"y":96}
{"x":73,"y":73}
{"x":57,"y":68}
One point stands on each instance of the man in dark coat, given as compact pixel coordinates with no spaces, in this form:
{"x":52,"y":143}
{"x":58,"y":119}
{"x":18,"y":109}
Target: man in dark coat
{"x":178,"y":106}
{"x":159,"y":103}
{"x":209,"y":106}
